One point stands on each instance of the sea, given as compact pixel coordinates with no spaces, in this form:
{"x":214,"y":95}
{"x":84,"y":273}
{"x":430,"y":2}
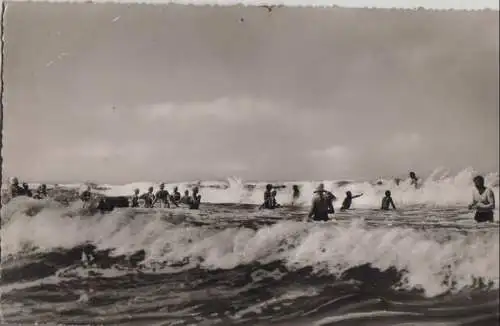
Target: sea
{"x":231,"y":263}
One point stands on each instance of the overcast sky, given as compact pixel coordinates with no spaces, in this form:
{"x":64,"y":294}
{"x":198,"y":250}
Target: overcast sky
{"x":120,"y":93}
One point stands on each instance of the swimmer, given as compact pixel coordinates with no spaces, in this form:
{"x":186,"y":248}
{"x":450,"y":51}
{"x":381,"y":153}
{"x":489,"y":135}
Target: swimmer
{"x":483,"y":201}
{"x":195,"y":199}
{"x":346,"y":204}
{"x":321,"y":204}
{"x":85,"y":197}
{"x":134,"y":200}
{"x":41,"y":192}
{"x":162,"y":196}
{"x":387,"y":202}
{"x":414,"y":180}
{"x":296,"y":194}
{"x":274,"y":203}
{"x":268,"y":200}
{"x":149,"y":198}
{"x":26,"y":190}
{"x":185,"y":198}
{"x":15,"y":190}
{"x":176,"y":196}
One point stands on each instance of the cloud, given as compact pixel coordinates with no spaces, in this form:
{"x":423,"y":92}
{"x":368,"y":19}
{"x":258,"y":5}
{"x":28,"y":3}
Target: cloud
{"x":404,"y":142}
{"x":227,"y":110}
{"x":334,"y":152}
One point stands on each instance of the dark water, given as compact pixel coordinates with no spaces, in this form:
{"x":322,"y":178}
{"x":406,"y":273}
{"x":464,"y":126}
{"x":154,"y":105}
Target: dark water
{"x":234,"y":264}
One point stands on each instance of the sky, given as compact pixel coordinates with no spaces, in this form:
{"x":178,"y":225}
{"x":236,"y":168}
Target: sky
{"x":120,"y":93}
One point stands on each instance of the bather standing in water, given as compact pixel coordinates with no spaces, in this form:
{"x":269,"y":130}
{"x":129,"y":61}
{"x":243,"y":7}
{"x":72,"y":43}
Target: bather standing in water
{"x":162,"y":196}
{"x":15,"y":190}
{"x":483,"y":201}
{"x":149,"y":198}
{"x":195,"y":199}
{"x":414,"y":180}
{"x":86,"y":197}
{"x":134,"y":200}
{"x":346,"y":204}
{"x":41,"y":192}
{"x":185,"y":198}
{"x":295,"y":195}
{"x":387,"y":202}
{"x":176,"y":196}
{"x":274,"y":203}
{"x":322,"y":204}
{"x":26,"y":190}
{"x":268,"y":200}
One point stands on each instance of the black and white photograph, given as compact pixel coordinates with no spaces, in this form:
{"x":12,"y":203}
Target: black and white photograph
{"x":180,"y":164}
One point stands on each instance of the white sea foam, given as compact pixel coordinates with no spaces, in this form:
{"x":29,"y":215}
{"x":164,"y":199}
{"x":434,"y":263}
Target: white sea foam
{"x":429,"y":263}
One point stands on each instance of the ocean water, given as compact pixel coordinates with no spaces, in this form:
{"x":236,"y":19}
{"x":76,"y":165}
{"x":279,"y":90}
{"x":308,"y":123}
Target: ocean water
{"x":428,"y":263}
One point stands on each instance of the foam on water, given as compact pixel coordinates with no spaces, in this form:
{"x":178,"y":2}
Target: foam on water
{"x":449,"y":262}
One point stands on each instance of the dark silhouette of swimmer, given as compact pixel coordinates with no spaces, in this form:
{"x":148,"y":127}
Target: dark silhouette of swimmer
{"x":483,"y":201}
{"x":26,"y":190}
{"x":295,"y":194}
{"x":346,"y":204}
{"x":176,"y":196}
{"x":273,"y":199}
{"x":414,"y":180}
{"x":387,"y":201}
{"x":268,"y":200}
{"x":86,"y":196}
{"x":15,"y":190}
{"x":162,"y":196}
{"x":149,"y":198}
{"x":185,"y":198}
{"x":134,"y":200}
{"x":322,"y":204}
{"x":41,"y":192}
{"x":195,"y":199}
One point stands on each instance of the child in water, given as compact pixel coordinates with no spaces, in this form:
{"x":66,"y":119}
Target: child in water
{"x":387,"y":201}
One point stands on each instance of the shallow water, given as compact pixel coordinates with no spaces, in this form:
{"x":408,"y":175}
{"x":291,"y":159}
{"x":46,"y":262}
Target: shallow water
{"x":235,"y":264}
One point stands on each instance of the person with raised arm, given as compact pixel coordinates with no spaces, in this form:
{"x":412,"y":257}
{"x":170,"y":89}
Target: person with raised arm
{"x":322,"y":204}
{"x":346,"y":204}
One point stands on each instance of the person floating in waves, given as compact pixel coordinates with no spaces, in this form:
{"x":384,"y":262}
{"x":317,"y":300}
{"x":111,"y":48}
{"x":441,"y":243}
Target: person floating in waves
{"x":483,"y":201}
{"x":176,"y":196}
{"x":268,"y":199}
{"x":26,"y":190}
{"x":86,"y":197}
{"x":134,"y":200}
{"x":295,"y":194}
{"x":162,"y":196}
{"x":274,"y":203}
{"x":148,"y":198}
{"x":387,"y":202}
{"x":41,"y":192}
{"x":322,"y":204}
{"x":195,"y":199}
{"x":414,"y":180}
{"x":346,"y":204}
{"x":15,"y":190}
{"x":185,"y":199}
